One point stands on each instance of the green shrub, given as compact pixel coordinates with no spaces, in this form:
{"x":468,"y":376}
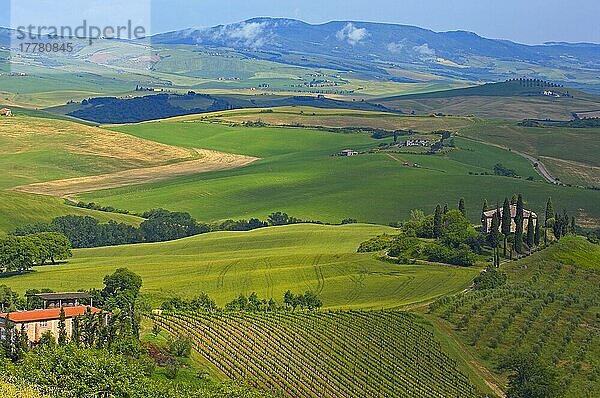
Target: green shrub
{"x":379,"y":243}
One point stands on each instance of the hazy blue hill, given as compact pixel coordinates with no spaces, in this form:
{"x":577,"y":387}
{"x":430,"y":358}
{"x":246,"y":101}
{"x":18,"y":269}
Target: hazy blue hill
{"x":4,"y":37}
{"x":375,"y":41}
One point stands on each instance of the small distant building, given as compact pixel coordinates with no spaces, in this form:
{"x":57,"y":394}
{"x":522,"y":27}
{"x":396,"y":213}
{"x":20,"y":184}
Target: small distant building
{"x":348,"y":152}
{"x":5,"y":112}
{"x":487,"y":217}
{"x":37,"y":322}
{"x":550,"y":93}
{"x":417,"y":142}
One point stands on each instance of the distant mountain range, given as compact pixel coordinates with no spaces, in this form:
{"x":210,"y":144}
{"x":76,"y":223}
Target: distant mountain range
{"x":390,"y":52}
{"x":369,"y":40}
{"x":375,"y":47}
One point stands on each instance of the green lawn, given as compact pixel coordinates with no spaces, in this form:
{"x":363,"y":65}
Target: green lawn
{"x":269,"y":261}
{"x":297,"y":174}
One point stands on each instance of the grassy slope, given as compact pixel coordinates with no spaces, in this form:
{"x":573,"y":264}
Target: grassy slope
{"x":564,"y":328}
{"x":336,"y":118}
{"x":500,"y":101}
{"x":35,"y":149}
{"x":19,"y":209}
{"x":268,"y":261}
{"x":299,"y":175}
{"x":570,"y":153}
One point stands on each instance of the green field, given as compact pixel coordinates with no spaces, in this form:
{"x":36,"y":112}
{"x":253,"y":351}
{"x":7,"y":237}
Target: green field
{"x":268,"y":261}
{"x":336,"y":118}
{"x":571,"y":154}
{"x":18,"y":209}
{"x":550,"y":305}
{"x":298,"y":174}
{"x":506,"y":100}
{"x":37,"y":149}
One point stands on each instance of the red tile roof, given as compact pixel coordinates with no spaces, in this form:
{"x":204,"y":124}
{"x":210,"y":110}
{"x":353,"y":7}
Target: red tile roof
{"x":48,"y":314}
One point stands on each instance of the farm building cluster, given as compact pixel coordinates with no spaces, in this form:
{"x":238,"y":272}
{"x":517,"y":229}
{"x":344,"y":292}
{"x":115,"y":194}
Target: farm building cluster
{"x":5,"y":112}
{"x":416,"y":142}
{"x":348,"y":152}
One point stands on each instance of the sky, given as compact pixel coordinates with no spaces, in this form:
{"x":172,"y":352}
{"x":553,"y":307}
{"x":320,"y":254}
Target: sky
{"x":530,"y":21}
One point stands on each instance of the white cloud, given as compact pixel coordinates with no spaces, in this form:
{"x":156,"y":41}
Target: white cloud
{"x":248,"y":31}
{"x":251,"y":34}
{"x":396,"y":47}
{"x":424,"y":50}
{"x":352,"y":34}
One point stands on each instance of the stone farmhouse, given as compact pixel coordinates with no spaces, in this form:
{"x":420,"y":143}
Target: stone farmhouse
{"x":486,"y":220}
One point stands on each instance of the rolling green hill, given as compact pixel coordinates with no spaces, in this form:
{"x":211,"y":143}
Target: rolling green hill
{"x":570,"y":154}
{"x":268,"y":261}
{"x":298,"y":174}
{"x":549,"y":306}
{"x":512,"y":88}
{"x":511,"y":100}
{"x":18,"y":209}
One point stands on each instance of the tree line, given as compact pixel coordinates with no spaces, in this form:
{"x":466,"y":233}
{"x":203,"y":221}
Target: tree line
{"x":252,"y":303}
{"x":20,"y":253}
{"x":159,"y":225}
{"x":446,"y":236}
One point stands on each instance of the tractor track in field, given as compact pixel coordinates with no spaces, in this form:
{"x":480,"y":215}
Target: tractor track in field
{"x":319,"y":272}
{"x":223,"y":273}
{"x":207,"y":161}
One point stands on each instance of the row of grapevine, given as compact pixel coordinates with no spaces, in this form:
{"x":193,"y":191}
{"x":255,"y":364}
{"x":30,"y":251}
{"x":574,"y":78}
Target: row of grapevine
{"x":549,"y":308}
{"x":324,"y":354}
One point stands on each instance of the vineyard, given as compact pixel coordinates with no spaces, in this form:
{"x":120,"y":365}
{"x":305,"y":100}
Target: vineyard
{"x":550,"y":306}
{"x":324,"y":354}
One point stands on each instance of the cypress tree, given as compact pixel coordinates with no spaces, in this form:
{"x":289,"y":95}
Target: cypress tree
{"x":530,"y":232}
{"x":565,"y":223}
{"x":21,"y":344}
{"x":494,"y":238}
{"x":573,"y":226}
{"x":519,"y":227}
{"x":76,"y":331}
{"x":506,"y":222}
{"x":445,"y":208}
{"x":549,"y":212}
{"x":461,"y":207}
{"x":7,"y":341}
{"x":483,"y":219}
{"x":485,"y":206}
{"x":62,"y":328}
{"x":536,"y":234}
{"x":556,"y":227}
{"x":437,"y":222}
